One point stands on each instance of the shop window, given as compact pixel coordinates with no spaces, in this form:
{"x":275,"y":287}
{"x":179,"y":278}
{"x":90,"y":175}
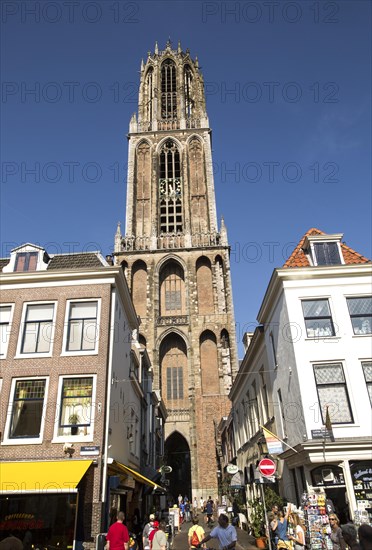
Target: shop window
{"x":367,"y":369}
{"x":82,"y":327}
{"x":360,"y":310}
{"x":318,"y":319}
{"x":76,"y":406}
{"x":27,"y":409}
{"x":332,"y":393}
{"x":5,"y":320}
{"x":37,"y":333}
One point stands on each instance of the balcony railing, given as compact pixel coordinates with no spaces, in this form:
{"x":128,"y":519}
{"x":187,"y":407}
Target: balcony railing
{"x":173,"y":320}
{"x":168,"y":241}
{"x":164,"y":125}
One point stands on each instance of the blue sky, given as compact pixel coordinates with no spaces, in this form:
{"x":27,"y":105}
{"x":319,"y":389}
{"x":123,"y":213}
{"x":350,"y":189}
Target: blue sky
{"x":288,"y":88}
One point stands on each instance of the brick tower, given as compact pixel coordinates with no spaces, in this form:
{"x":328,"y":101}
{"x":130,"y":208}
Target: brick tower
{"x":176,"y":261}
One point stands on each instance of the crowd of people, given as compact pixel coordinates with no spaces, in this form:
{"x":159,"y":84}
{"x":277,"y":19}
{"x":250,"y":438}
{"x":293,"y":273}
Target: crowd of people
{"x":287,"y":532}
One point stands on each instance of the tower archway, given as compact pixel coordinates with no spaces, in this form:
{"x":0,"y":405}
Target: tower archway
{"x":177,"y":455}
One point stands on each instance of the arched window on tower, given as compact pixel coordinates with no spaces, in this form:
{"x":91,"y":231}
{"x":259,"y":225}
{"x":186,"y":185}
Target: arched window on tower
{"x":189,"y":100}
{"x":168,"y":90}
{"x":149,"y":94}
{"x":172,"y":290}
{"x":173,"y":382}
{"x":170,"y":189}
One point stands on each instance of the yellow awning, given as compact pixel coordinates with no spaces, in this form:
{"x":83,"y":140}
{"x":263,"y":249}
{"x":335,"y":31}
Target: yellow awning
{"x":53,"y":477}
{"x":136,"y":475}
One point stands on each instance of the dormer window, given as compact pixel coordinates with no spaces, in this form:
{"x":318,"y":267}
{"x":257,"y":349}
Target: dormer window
{"x":26,"y":258}
{"x":327,"y":253}
{"x":324,"y":249}
{"x":26,"y":261}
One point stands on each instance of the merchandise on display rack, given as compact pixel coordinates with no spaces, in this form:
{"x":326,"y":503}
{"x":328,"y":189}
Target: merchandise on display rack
{"x":318,"y":530}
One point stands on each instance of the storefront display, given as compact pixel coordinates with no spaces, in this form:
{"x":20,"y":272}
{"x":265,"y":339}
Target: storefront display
{"x":41,"y":520}
{"x":318,"y":530}
{"x":361,"y":473}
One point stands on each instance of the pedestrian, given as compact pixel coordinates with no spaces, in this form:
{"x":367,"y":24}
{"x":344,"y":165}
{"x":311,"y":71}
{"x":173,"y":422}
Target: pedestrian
{"x":201,"y":504}
{"x":280,"y":525}
{"x":272,"y":531}
{"x":187,"y":511}
{"x":180,"y":499}
{"x":159,"y":541}
{"x":153,"y":531}
{"x":146,"y":531}
{"x":209,"y":510}
{"x":365,"y":536}
{"x":338,"y":542}
{"x":195,"y":506}
{"x":225,"y":533}
{"x":349,"y":534}
{"x":196,"y":533}
{"x":118,"y":537}
{"x":298,"y":538}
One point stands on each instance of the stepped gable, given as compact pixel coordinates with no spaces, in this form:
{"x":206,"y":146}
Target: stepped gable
{"x":75,"y":261}
{"x":298,"y":257}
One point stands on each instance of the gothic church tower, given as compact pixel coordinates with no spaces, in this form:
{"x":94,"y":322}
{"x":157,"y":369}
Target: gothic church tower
{"x":176,"y":261}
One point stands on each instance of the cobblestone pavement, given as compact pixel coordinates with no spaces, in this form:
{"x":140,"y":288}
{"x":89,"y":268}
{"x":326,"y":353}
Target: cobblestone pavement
{"x":245,"y":541}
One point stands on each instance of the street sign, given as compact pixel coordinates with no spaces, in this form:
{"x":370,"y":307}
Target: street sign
{"x":166,"y":469}
{"x":232,"y":469}
{"x":267,"y":467}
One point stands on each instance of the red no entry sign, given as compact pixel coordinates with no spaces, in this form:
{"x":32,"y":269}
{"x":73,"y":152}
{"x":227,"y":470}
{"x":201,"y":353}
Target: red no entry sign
{"x":267,"y":467}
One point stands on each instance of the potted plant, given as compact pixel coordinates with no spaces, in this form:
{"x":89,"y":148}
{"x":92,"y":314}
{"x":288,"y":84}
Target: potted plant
{"x":74,"y":419}
{"x":257,"y":522}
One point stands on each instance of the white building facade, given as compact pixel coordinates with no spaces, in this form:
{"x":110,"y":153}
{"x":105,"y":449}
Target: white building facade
{"x":313,"y":350}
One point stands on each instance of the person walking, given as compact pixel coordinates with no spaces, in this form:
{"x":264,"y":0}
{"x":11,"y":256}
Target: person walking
{"x":118,"y":537}
{"x":195,"y":506}
{"x":146,"y":532}
{"x":338,"y":542}
{"x":196,"y":533}
{"x":201,"y":504}
{"x":225,"y":533}
{"x":159,"y":541}
{"x":209,"y":510}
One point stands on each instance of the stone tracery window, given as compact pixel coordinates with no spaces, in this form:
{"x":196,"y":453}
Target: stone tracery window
{"x":149,"y":94}
{"x":168,"y":90}
{"x":189,"y":101}
{"x":170,"y":189}
{"x":172,"y":290}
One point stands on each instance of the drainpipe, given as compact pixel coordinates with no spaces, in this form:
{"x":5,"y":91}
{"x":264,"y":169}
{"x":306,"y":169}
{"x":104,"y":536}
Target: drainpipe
{"x":108,"y":395}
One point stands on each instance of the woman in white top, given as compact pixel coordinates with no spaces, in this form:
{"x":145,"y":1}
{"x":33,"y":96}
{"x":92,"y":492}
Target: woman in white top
{"x":299,"y":537}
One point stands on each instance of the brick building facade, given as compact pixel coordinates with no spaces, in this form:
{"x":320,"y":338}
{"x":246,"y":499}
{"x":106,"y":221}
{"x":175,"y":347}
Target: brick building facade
{"x":176,"y":260}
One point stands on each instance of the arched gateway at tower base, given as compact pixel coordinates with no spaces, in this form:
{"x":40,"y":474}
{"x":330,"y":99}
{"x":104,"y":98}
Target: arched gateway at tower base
{"x":177,"y":455}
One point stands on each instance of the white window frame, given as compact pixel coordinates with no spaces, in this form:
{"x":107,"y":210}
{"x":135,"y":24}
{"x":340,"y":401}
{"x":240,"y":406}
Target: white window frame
{"x":351,"y":316}
{"x":24,"y":440}
{"x":94,"y":351}
{"x":19,"y":354}
{"x":348,"y":393}
{"x":79,"y":437}
{"x":4,"y":346}
{"x":334,"y":325}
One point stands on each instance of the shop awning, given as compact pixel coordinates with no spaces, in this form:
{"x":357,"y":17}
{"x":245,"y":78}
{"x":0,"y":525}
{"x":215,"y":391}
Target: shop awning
{"x":58,"y":476}
{"x":118,"y":467}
